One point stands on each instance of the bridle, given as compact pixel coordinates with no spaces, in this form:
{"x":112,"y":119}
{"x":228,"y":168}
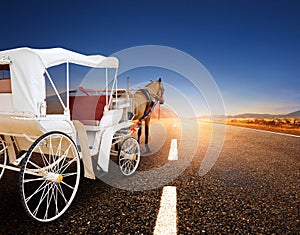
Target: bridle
{"x":157,"y":97}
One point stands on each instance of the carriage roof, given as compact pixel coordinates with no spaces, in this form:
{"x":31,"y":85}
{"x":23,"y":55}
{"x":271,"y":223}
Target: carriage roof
{"x":27,"y":70}
{"x":55,"y":56}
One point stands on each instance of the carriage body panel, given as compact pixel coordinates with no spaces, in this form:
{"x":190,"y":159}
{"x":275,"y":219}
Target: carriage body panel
{"x":44,"y":146}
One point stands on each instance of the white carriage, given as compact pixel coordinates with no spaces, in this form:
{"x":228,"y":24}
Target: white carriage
{"x":47,"y":148}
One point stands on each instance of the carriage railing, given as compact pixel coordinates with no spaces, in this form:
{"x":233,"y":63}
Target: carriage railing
{"x":66,"y":107}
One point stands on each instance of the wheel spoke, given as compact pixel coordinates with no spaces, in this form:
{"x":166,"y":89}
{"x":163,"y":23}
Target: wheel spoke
{"x":59,"y":147}
{"x":69,"y":174}
{"x":44,"y":159}
{"x":59,"y":166}
{"x":52,"y":156}
{"x":33,"y":164}
{"x":65,"y":167}
{"x":67,"y":185}
{"x":60,"y":190}
{"x":48,"y":201}
{"x":41,"y":187}
{"x":126,"y":167}
{"x":31,"y":180}
{"x":64,"y":156}
{"x":56,"y":200}
{"x":41,"y":200}
{"x":123,"y":168}
{"x":128,"y":149}
{"x":131,"y":163}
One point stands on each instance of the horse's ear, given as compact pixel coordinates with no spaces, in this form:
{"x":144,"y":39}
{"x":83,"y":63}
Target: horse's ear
{"x":159,"y":79}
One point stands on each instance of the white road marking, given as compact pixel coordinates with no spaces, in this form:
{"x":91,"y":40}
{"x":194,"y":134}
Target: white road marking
{"x":173,"y":153}
{"x":258,"y":130}
{"x":166,"y":222}
{"x":264,"y":131}
{"x":278,"y":133}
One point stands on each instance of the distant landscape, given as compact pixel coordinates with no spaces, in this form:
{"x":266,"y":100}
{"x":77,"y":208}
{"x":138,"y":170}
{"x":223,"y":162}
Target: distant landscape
{"x":285,"y":123}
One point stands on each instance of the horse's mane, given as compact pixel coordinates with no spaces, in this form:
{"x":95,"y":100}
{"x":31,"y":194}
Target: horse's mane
{"x":149,"y":83}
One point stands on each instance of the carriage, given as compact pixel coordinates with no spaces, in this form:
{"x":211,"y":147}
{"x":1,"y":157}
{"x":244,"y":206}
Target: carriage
{"x":48,"y":149}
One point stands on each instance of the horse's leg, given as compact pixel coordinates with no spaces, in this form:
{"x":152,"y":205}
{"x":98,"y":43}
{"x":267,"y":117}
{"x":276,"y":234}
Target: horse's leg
{"x":139,"y":132}
{"x":147,"y":122}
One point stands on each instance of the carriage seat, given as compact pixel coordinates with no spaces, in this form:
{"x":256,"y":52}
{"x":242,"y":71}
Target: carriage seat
{"x":87,"y":109}
{"x":110,"y":118}
{"x":5,"y":85}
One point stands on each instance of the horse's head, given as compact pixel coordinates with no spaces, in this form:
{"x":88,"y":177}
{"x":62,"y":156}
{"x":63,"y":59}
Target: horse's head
{"x":161,"y":91}
{"x":156,"y":90}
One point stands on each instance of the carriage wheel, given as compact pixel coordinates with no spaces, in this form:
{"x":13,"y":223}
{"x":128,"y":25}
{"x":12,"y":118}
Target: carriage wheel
{"x":129,"y":156}
{"x":49,"y":176}
{"x":3,"y":156}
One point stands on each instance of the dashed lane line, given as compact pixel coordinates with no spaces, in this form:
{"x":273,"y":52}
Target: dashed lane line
{"x":166,"y":222}
{"x":173,"y":153}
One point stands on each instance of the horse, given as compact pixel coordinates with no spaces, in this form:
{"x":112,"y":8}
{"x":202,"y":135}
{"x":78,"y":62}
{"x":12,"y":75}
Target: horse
{"x":145,"y":100}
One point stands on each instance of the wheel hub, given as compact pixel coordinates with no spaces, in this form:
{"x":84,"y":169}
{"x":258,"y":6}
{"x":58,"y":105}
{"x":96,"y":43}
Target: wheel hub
{"x":54,"y":177}
{"x":130,"y":156}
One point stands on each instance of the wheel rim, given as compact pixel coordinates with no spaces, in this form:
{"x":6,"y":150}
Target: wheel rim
{"x":3,"y":157}
{"x":50,"y":176}
{"x":129,"y":156}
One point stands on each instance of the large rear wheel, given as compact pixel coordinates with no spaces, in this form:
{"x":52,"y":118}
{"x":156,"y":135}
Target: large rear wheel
{"x":49,"y":177}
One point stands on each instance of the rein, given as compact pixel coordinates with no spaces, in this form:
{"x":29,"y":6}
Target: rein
{"x":150,"y":105}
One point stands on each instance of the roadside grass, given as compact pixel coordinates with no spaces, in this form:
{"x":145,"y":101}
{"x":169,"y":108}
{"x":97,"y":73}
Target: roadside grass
{"x":282,"y":125}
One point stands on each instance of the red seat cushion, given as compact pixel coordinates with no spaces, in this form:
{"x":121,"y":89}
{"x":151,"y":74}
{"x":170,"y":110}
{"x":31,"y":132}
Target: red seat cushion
{"x":87,"y":107}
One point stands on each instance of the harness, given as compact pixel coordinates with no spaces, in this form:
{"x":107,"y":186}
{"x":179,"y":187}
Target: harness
{"x":150,"y":104}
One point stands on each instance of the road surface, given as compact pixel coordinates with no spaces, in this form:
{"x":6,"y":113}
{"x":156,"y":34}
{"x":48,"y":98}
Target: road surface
{"x":252,"y":188}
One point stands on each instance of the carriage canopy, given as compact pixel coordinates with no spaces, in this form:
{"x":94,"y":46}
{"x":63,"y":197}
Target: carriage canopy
{"x":27,"y":68}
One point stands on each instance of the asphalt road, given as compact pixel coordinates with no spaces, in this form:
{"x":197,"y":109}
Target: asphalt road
{"x":253,"y":188}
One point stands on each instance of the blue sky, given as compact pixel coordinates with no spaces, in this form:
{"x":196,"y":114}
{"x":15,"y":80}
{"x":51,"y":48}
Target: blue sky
{"x":251,"y":48}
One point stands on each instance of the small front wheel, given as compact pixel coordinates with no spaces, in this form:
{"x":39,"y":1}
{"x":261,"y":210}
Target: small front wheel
{"x":49,"y":177}
{"x":3,"y":156}
{"x":129,"y":156}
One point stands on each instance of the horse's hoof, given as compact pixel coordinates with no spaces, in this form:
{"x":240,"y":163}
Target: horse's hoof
{"x":145,"y":150}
